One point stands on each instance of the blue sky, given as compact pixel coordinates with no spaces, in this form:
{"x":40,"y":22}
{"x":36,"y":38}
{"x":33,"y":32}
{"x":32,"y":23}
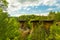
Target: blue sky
{"x":38,"y":7}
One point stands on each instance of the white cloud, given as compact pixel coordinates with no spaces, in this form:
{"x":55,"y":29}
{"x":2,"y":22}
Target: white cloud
{"x":50,"y":9}
{"x":19,"y":4}
{"x":28,"y":9}
{"x":25,"y":8}
{"x":15,"y":4}
{"x":58,"y":6}
{"x":49,"y":2}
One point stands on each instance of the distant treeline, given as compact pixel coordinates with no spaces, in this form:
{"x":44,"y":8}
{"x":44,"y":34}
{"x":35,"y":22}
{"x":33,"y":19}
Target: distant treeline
{"x":51,"y":16}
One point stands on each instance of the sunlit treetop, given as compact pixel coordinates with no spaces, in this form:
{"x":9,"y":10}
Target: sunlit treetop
{"x":3,"y":5}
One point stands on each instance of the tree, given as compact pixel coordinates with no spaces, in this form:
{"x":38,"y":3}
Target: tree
{"x":57,"y":16}
{"x":3,"y":4}
{"x":13,"y":29}
{"x":51,"y":15}
{"x":3,"y":24}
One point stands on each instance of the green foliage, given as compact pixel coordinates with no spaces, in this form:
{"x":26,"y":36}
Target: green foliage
{"x":13,"y":29}
{"x":58,"y":16}
{"x":9,"y":26}
{"x":51,"y":15}
{"x":3,"y":24}
{"x":39,"y":33}
{"x":5,"y":3}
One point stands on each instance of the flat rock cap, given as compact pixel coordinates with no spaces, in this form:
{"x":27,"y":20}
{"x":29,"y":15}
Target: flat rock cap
{"x":34,"y":20}
{"x":22,"y":20}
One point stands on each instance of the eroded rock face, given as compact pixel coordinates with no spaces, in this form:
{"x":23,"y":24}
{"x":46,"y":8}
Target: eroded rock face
{"x":25,"y":31}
